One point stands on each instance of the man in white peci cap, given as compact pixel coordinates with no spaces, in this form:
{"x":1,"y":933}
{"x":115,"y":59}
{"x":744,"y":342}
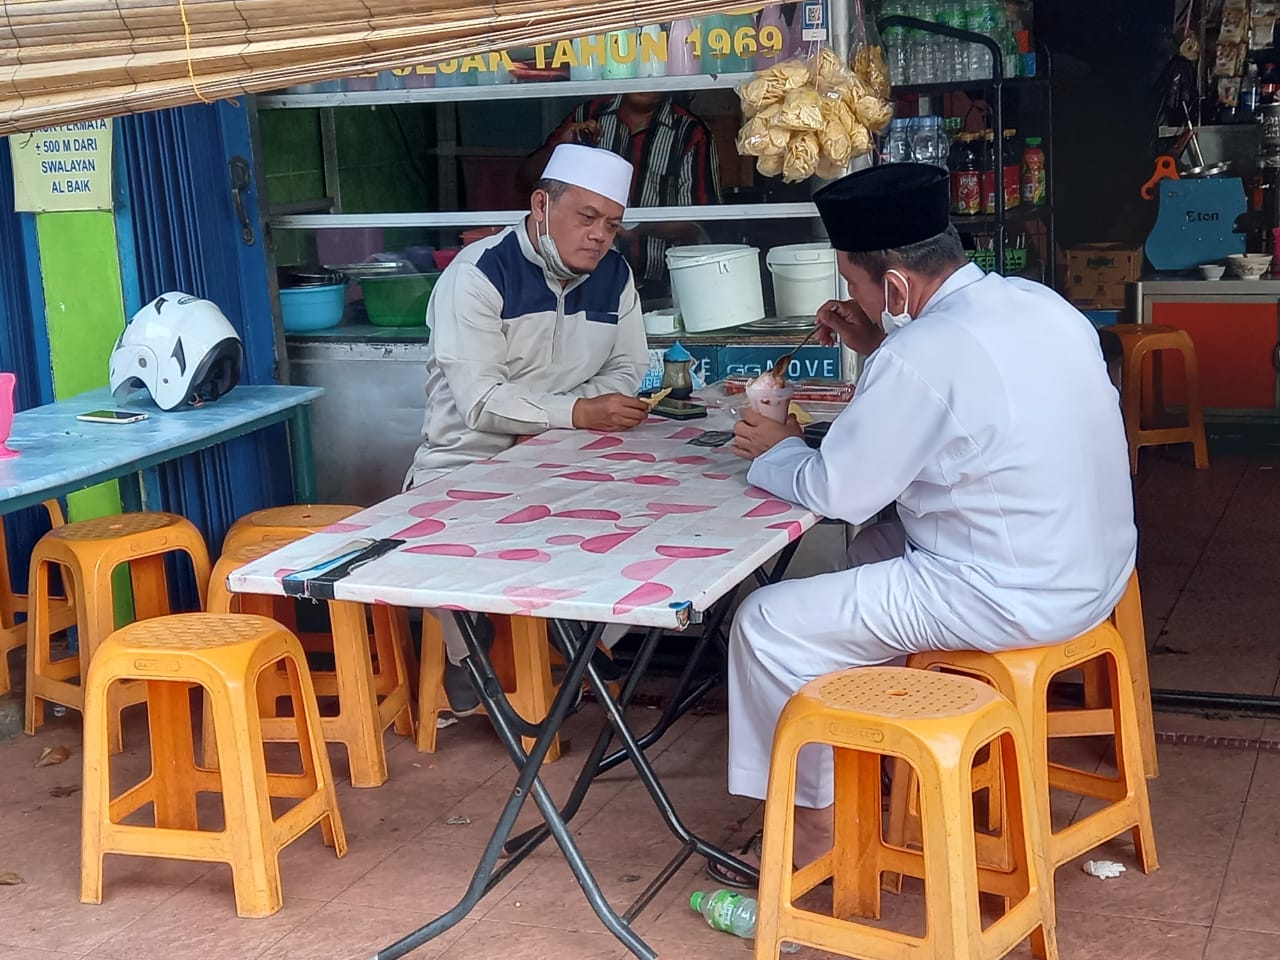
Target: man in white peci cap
{"x":535,"y":328}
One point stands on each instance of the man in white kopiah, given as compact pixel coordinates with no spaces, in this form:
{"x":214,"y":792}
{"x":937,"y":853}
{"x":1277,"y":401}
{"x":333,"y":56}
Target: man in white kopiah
{"x":535,"y":328}
{"x":985,"y":413}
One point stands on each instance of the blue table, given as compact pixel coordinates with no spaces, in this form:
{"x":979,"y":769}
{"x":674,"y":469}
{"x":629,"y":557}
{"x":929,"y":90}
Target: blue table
{"x":60,"y":454}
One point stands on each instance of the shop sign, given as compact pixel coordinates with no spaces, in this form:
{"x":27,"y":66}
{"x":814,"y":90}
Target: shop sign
{"x":645,"y":52}
{"x":67,"y":167}
{"x":821,"y":363}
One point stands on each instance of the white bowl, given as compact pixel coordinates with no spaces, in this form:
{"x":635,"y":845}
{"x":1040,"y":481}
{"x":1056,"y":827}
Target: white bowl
{"x":1249,"y":266}
{"x":1211,"y":271}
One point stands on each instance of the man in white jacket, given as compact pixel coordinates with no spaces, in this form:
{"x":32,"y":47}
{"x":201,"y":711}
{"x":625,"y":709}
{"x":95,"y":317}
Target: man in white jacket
{"x":535,"y":328}
{"x":986,"y":414}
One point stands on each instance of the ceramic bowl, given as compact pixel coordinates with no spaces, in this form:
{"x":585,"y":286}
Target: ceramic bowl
{"x":1249,"y":266}
{"x":1211,"y":271}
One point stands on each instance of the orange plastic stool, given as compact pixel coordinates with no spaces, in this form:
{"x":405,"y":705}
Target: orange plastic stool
{"x":371,"y":678}
{"x":1024,"y":677}
{"x":1143,"y":400}
{"x":225,"y":655}
{"x":1095,"y":719}
{"x":290,"y":522}
{"x":13,"y":634}
{"x":937,"y":724}
{"x":89,"y":552}
{"x":521,"y":656}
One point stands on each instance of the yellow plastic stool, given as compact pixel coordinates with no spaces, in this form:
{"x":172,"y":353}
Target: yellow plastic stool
{"x":290,"y":522}
{"x":88,"y":552}
{"x":1143,"y":400}
{"x":521,"y":657}
{"x":1095,"y":719}
{"x":371,"y":678}
{"x":225,"y":655}
{"x":13,"y":635}
{"x":1024,"y":677}
{"x":937,"y":724}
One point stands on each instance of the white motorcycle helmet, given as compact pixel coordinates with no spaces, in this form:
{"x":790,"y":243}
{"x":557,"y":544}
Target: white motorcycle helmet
{"x":180,"y":349}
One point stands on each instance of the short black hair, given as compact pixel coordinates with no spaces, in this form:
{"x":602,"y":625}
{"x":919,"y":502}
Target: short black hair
{"x":552,"y":188}
{"x":930,"y":258}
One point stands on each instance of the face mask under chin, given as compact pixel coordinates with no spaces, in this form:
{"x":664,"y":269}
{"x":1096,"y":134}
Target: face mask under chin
{"x":552,"y":262}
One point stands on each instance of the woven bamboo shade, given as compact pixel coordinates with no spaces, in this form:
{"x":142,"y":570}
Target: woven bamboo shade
{"x":68,"y":60}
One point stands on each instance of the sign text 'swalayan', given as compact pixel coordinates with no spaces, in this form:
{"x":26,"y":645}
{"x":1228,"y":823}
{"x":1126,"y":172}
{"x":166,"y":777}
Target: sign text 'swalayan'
{"x":67,"y":167}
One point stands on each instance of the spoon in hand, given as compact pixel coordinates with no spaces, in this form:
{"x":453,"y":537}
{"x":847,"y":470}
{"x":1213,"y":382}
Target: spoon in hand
{"x":784,"y":361}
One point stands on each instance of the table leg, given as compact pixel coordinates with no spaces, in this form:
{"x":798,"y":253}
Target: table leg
{"x":304,"y":474}
{"x":509,"y":727}
{"x":648,"y":776}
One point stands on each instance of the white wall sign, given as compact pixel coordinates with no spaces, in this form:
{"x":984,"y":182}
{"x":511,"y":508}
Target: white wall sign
{"x":67,"y":167}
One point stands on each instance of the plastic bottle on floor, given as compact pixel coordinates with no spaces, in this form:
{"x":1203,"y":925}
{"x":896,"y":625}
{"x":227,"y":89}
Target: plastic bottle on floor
{"x":730,"y":912}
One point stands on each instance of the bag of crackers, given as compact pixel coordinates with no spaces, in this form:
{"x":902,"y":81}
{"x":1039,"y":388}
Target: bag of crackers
{"x":812,"y":114}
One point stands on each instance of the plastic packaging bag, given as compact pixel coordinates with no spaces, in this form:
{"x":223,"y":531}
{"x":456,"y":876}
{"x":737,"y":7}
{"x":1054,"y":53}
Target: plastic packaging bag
{"x":810,"y":114}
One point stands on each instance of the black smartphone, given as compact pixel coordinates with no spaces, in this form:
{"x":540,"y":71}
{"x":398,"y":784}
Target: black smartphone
{"x":679,"y":409}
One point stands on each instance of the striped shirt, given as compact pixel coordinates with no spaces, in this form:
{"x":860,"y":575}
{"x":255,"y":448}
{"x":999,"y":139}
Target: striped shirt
{"x":675,"y":157}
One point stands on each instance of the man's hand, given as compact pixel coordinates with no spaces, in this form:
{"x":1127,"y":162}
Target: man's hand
{"x":611,"y":412}
{"x":755,"y":434}
{"x":587,"y":131}
{"x":845,"y":319}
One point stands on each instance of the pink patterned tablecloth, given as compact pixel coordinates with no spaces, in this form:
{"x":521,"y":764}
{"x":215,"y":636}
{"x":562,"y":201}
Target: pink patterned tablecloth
{"x":638,"y":527}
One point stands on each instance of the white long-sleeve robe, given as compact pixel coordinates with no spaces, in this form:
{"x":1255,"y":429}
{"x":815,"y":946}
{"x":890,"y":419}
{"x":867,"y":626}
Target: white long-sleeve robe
{"x":991,"y":422}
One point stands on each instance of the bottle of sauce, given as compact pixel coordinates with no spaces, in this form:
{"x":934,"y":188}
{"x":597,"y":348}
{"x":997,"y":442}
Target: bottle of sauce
{"x":1250,"y":95}
{"x":1270,"y":83}
{"x":1033,"y":173}
{"x":966,"y":177}
{"x":1009,"y":160}
{"x":989,"y":163}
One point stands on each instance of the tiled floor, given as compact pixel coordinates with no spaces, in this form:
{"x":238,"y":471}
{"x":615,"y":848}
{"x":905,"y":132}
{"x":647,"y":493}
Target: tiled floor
{"x":1210,"y":564}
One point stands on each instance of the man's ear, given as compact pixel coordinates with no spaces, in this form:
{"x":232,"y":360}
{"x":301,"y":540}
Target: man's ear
{"x":538,"y":206}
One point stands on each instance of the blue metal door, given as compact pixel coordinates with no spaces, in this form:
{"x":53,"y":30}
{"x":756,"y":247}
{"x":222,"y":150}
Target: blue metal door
{"x":188,"y":219}
{"x":24,"y":345}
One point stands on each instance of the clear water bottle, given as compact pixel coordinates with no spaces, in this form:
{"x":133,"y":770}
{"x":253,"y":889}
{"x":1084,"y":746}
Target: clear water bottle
{"x":928,"y":141}
{"x":895,"y":39}
{"x":898,"y":147}
{"x":730,"y":912}
{"x":955,"y":64}
{"x":932,"y":57}
{"x":981,"y":16}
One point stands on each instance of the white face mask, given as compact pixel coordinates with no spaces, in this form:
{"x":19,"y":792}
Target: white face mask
{"x":894,"y":321}
{"x":552,"y":262}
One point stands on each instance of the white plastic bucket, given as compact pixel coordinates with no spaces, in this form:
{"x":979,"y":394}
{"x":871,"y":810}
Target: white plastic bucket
{"x":804,"y":278}
{"x":717,"y":290}
{"x":695,"y":251}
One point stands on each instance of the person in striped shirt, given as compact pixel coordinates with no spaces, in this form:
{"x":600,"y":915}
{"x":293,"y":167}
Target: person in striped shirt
{"x":674,"y":156}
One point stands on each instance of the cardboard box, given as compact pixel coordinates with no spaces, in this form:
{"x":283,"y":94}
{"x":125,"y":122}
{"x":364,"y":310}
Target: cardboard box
{"x":1097,"y":273}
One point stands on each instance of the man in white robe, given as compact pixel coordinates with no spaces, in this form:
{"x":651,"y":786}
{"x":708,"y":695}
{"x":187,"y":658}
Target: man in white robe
{"x":535,"y":328}
{"x":985,"y":413}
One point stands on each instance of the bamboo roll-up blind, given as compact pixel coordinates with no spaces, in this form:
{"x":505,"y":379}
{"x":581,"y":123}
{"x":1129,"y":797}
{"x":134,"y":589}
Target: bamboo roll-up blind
{"x":68,"y":60}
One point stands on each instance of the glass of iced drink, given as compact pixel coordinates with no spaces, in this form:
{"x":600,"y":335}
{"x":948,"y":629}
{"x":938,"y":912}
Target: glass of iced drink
{"x":770,"y":396}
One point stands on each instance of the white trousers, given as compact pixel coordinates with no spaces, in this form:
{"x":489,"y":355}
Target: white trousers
{"x":789,"y":633}
{"x":456,"y":647}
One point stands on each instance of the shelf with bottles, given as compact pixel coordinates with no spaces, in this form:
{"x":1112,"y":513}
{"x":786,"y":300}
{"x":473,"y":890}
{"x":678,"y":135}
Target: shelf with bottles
{"x":936,"y":44}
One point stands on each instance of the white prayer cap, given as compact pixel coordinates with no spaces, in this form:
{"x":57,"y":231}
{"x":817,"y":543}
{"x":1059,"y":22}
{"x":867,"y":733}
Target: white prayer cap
{"x":591,"y":169}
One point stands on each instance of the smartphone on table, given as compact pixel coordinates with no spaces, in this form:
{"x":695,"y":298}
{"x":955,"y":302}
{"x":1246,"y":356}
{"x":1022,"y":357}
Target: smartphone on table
{"x":112,"y":416}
